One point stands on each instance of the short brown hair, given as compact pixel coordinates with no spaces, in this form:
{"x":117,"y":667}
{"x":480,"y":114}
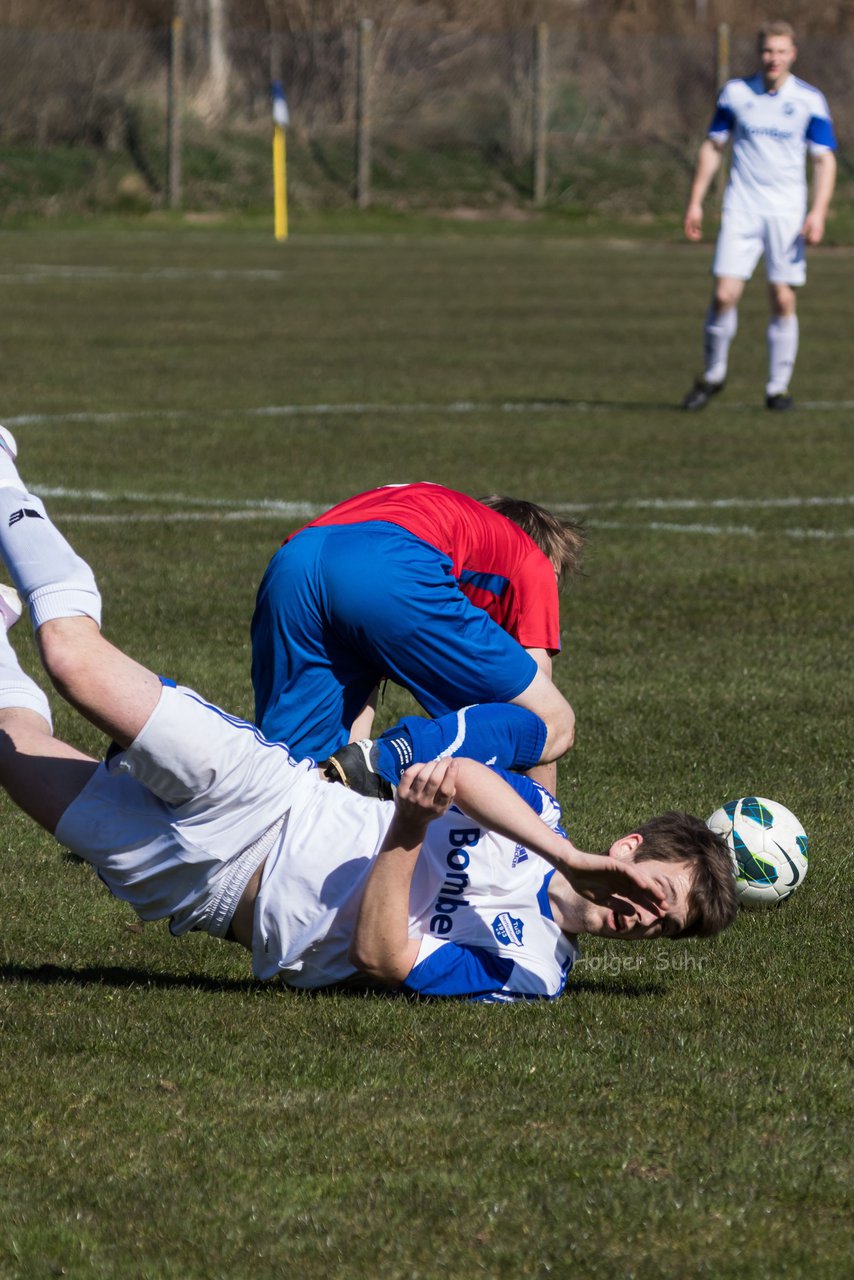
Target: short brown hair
{"x":680,"y":837}
{"x":561,"y":540}
{"x":776,"y":28}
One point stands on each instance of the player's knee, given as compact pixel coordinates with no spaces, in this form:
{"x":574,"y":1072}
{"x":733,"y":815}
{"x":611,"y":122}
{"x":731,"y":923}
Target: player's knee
{"x":725,"y":297}
{"x":546,"y":701}
{"x":65,"y":649}
{"x":783,"y":301}
{"x":560,"y":732}
{"x":20,"y":728}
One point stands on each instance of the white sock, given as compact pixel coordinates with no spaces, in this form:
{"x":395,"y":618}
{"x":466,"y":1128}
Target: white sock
{"x":783,"y":334}
{"x":9,"y":471}
{"x":718,"y":333}
{"x":16,"y":688}
{"x":47,"y":573}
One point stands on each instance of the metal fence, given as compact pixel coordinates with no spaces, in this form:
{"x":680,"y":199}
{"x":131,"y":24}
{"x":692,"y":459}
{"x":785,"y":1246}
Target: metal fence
{"x":605,"y":106}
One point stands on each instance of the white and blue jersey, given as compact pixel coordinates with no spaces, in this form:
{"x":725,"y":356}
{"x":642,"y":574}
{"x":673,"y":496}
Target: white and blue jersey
{"x":177,"y":824}
{"x":771,"y":133}
{"x":478,"y":902}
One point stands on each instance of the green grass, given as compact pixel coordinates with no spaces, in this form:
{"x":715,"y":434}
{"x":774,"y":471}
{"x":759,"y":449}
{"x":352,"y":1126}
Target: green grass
{"x":685,"y":1110}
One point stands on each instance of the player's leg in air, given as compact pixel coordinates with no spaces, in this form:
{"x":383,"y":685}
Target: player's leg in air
{"x":42,"y":774}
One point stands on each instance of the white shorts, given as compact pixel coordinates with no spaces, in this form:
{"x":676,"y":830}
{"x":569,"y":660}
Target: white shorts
{"x":745,"y":236}
{"x":177,"y":824}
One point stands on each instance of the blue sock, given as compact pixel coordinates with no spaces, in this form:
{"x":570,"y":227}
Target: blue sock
{"x":494,"y":733}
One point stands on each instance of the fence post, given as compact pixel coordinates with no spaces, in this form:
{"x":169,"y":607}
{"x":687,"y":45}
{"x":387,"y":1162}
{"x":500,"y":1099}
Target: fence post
{"x":722,"y":55}
{"x":363,"y":112}
{"x":219,"y":69}
{"x":722,"y":52}
{"x":541,"y":109}
{"x":175,"y":106}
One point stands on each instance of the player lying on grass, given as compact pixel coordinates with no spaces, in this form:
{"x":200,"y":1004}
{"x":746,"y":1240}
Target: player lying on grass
{"x":455,"y":888}
{"x":454,"y":599}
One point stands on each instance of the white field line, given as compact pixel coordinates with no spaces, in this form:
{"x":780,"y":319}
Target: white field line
{"x":309,"y":509}
{"x":37,"y":273}
{"x":362,"y":408}
{"x":653,"y":526}
{"x":195,"y":510}
{"x":44,"y":272}
{"x":726,"y":530}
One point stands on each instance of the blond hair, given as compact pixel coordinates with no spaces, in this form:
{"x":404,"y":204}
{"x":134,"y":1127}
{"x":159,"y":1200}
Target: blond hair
{"x":561,"y":540}
{"x":776,"y":28}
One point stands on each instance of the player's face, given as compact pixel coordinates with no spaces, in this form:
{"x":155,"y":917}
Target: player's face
{"x":776,"y":54}
{"x":630,"y":918}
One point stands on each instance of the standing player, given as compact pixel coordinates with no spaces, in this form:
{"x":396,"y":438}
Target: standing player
{"x":774,"y":120}
{"x":455,"y":599}
{"x":194,"y":816}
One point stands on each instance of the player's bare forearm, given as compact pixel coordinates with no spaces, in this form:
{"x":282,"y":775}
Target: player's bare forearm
{"x":497,"y":807}
{"x":823,"y":184}
{"x":708,"y":163}
{"x":381,"y":946}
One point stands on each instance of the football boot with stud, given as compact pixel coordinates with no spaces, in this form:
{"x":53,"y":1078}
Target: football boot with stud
{"x":353,"y":766}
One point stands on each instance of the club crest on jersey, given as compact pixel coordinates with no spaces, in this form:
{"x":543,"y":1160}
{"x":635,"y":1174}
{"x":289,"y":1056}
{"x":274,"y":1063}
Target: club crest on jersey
{"x":508,"y":929}
{"x":520,"y":854}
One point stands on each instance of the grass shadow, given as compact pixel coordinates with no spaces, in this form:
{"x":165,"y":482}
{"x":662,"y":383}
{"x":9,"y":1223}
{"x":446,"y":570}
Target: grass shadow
{"x":117,"y":976}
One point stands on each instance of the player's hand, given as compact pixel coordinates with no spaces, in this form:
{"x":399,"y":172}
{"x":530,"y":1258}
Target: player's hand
{"x":813,"y":229}
{"x":426,"y":791}
{"x":599,"y":879}
{"x":693,"y":223}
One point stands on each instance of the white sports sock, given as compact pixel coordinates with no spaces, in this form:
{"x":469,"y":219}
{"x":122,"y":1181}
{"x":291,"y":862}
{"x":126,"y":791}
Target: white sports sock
{"x":718,"y":333}
{"x":16,"y":688}
{"x":47,"y":573}
{"x":8,"y":471}
{"x":783,"y":334}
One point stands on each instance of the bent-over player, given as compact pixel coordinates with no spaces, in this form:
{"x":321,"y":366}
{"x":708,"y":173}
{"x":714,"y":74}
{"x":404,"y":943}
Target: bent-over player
{"x":454,"y":599}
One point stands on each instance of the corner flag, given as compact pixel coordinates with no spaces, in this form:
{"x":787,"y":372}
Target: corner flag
{"x":280,"y":121}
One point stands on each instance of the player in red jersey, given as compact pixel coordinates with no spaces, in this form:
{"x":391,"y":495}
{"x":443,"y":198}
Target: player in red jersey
{"x":452,"y":598}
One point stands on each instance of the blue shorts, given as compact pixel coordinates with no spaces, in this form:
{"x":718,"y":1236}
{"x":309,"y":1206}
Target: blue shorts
{"x":342,"y":607}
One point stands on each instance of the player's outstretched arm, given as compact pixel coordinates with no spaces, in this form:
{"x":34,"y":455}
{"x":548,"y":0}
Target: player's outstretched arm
{"x":381,"y":945}
{"x":494,"y":805}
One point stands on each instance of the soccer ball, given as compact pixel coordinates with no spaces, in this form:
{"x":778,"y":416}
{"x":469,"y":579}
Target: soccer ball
{"x":769,"y":849}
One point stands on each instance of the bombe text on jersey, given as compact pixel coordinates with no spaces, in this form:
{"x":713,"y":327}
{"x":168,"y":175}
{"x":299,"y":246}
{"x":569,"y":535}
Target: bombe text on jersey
{"x":452,"y":894}
{"x":764,"y":131}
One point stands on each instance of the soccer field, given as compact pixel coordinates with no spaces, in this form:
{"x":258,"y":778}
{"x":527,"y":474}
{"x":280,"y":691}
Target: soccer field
{"x":183,"y":400}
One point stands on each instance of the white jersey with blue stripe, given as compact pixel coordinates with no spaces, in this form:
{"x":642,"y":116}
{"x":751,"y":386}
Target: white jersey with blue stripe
{"x":177,"y":824}
{"x":771,"y":133}
{"x":478,"y":902}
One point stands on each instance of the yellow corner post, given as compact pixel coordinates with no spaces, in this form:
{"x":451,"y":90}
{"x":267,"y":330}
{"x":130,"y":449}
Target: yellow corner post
{"x":280,"y":177}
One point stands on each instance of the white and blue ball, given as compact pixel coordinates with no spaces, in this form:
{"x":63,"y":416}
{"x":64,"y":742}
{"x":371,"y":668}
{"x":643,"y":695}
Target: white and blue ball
{"x":769,"y":848}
